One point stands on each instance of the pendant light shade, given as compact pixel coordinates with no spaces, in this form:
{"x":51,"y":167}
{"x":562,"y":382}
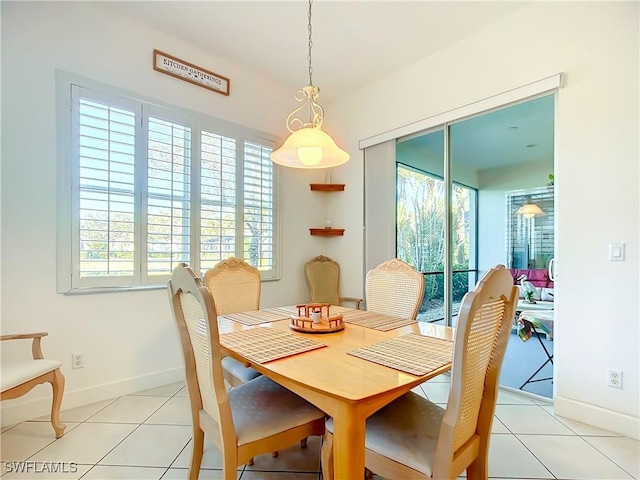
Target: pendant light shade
{"x":530,"y":210}
{"x":308,"y":146}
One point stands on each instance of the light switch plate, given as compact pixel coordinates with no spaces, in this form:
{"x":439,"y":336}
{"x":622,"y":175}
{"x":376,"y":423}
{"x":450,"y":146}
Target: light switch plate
{"x":616,"y":252}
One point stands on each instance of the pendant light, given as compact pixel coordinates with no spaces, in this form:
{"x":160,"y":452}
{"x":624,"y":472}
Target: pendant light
{"x":308,"y":146}
{"x":530,"y":210}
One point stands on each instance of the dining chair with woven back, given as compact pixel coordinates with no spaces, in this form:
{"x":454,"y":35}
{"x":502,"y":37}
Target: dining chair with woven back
{"x":256,"y":417}
{"x":323,"y":282}
{"x":235,"y":287}
{"x":415,"y":438}
{"x":394,"y":288}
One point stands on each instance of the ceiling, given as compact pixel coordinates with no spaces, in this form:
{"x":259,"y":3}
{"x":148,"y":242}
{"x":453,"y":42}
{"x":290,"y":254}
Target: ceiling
{"x":354,"y":42}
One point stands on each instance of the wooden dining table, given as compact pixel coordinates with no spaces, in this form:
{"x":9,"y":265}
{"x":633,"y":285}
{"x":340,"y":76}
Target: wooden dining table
{"x":346,"y":387}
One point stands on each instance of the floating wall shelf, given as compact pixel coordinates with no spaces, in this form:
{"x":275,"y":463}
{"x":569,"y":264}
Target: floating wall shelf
{"x":327,"y":232}
{"x":327,"y":187}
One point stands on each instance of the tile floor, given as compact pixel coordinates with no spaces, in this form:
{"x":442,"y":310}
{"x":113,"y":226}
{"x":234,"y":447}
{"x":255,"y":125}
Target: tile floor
{"x":147,"y":436}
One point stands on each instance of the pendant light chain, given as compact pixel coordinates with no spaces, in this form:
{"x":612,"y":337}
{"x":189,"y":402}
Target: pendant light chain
{"x":310,"y":44}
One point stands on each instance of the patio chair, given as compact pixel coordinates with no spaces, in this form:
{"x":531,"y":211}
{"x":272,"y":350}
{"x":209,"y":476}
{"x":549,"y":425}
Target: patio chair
{"x":254,"y":418}
{"x":394,"y":288}
{"x":235,"y":287}
{"x":18,"y":378}
{"x":323,"y":281}
{"x":414,"y":438}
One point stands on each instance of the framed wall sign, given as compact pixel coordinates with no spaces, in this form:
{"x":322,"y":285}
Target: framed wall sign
{"x":189,"y":72}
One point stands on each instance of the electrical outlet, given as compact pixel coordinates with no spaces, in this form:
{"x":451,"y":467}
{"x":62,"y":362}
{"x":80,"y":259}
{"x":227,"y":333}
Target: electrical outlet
{"x":77,"y":360}
{"x":614,"y":378}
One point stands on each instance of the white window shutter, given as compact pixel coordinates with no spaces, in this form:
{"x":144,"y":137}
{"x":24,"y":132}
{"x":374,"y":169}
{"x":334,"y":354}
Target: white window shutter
{"x":105,"y":183}
{"x":168,"y":196}
{"x":258,"y":206}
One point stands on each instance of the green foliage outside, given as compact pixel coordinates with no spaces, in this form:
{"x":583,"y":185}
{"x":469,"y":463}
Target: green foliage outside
{"x":420,"y":231}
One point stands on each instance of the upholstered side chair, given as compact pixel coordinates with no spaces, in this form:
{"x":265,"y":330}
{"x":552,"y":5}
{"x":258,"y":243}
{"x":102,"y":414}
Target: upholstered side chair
{"x":414,"y":438}
{"x":394,"y":288}
{"x":18,"y":378}
{"x":323,"y":281}
{"x":256,"y":417}
{"x":235,"y":287}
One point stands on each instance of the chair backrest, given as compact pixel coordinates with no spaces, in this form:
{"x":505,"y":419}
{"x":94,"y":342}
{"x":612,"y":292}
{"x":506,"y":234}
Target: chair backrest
{"x":195,"y":314}
{"x":323,"y":280}
{"x":234,"y":286}
{"x":482,"y":333}
{"x":394,"y":288}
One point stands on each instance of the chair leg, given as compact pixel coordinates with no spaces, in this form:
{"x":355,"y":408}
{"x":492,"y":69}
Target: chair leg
{"x":303,"y":443}
{"x":57,"y":385}
{"x":326,"y":456}
{"x":196,"y":453}
{"x":478,"y":470}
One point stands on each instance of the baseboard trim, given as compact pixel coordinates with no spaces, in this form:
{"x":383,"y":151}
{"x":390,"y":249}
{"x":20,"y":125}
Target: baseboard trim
{"x":598,"y":417}
{"x":22,"y":408}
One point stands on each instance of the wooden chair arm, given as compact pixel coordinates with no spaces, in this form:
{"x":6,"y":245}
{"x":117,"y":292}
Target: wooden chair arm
{"x":23,"y":336}
{"x":36,"y":350}
{"x":357,"y":301}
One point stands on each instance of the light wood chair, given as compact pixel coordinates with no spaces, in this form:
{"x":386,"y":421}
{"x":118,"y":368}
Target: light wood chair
{"x":257,"y":417}
{"x":414,"y":438}
{"x":235,"y":287}
{"x":394,"y":288}
{"x":20,"y":377}
{"x":323,"y":281}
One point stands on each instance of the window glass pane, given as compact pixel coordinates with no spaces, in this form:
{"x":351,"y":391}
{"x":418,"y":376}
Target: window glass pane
{"x":218,"y":199}
{"x":106,"y":190}
{"x":168,"y":196}
{"x":258,"y":206}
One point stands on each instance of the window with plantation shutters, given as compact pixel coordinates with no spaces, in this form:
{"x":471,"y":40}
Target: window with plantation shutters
{"x":151,"y":186}
{"x":258,"y":205}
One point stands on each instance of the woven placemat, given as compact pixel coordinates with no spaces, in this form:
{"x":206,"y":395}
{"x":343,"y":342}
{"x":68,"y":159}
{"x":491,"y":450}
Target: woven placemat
{"x":376,"y":321}
{"x":256,"y":317}
{"x":263,"y":345}
{"x":409,"y":353}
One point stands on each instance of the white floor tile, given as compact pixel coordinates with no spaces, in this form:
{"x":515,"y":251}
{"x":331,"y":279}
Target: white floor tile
{"x":25,"y":439}
{"x":584,"y":429}
{"x":498,"y":427}
{"x":49,"y":471}
{"x":250,"y":475}
{"x":624,"y":451}
{"x":294,"y":458}
{"x":163,"y":391}
{"x":436,"y":392}
{"x":570,"y":457}
{"x":183,"y":392}
{"x":442,"y":378}
{"x":183,"y":474}
{"x":106,"y":472}
{"x":129,"y":410}
{"x":211,"y":458}
{"x":87,"y":443}
{"x":177,"y":411}
{"x":78,"y":414}
{"x":418,"y":391}
{"x":508,"y":398}
{"x":150,"y":446}
{"x":508,"y":458}
{"x":5,"y":428}
{"x":530,"y":419}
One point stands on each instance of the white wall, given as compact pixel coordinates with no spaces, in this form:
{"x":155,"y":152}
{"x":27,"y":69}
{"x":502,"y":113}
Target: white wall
{"x":596,"y":45}
{"x":128,"y":339}
{"x":492,"y":185}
